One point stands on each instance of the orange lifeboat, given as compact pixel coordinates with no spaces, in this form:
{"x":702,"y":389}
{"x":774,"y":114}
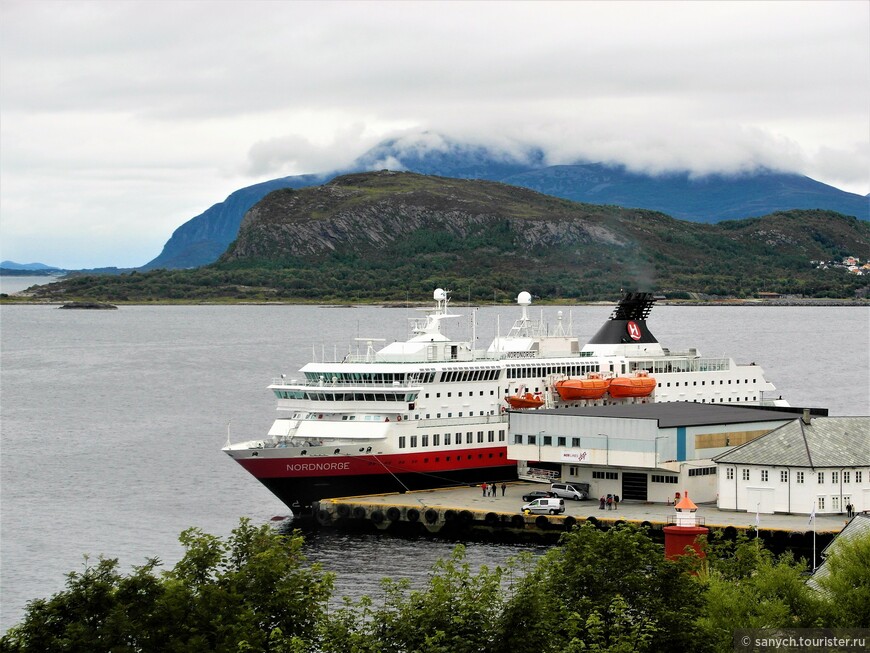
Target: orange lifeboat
{"x":527,"y":400}
{"x":594,"y":386}
{"x":639,"y":385}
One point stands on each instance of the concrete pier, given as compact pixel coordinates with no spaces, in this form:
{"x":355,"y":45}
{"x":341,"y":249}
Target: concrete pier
{"x":465,"y":513}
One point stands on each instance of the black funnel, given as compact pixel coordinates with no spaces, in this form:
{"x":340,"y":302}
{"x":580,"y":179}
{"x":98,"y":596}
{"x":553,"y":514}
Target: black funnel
{"x":627,"y":323}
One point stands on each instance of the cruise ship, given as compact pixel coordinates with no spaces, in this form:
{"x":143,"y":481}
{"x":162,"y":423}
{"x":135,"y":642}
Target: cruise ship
{"x":432,"y":411}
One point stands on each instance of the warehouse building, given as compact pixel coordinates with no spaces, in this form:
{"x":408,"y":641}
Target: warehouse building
{"x":644,"y":452}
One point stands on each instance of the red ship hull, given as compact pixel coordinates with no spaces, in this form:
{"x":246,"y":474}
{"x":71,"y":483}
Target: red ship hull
{"x":299,"y":481}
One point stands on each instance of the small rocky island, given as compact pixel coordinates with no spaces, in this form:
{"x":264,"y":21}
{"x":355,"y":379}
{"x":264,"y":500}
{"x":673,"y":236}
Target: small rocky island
{"x":90,"y":305}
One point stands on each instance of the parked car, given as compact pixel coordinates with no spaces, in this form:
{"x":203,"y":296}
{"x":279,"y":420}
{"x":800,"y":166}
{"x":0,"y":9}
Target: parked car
{"x":537,"y":494}
{"x":576,"y":491}
{"x":545,"y":506}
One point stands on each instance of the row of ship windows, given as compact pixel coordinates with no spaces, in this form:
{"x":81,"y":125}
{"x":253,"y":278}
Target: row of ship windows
{"x":346,"y":396}
{"x":764,"y":476}
{"x":452,"y":376}
{"x":460,"y":376}
{"x":357,"y":378}
{"x":459,"y":394}
{"x":541,"y":372}
{"x":411,"y":397}
{"x":448,"y":439}
{"x":721,"y":382}
{"x":449,"y":458}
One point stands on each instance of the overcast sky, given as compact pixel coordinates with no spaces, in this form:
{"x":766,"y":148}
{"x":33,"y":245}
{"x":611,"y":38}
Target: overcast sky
{"x":119,"y":121}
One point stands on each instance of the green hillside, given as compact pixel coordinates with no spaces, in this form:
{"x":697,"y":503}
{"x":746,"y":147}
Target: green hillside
{"x":394,"y":236}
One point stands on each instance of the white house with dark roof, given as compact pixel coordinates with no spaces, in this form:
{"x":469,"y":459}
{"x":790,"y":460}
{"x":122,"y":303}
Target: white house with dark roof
{"x":820,"y":463}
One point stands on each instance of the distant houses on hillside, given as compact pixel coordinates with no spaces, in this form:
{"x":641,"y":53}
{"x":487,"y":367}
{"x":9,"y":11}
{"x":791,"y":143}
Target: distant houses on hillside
{"x":851,"y":264}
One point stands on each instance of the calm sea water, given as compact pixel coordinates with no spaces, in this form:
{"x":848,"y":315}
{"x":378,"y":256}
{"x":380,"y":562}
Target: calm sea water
{"x":112,"y":422}
{"x":12,"y":284}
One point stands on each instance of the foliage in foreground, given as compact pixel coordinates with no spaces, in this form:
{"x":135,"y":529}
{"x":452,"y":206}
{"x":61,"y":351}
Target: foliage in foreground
{"x":598,"y":591}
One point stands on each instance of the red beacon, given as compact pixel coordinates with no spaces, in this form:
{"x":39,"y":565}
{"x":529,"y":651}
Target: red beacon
{"x":684,"y":529}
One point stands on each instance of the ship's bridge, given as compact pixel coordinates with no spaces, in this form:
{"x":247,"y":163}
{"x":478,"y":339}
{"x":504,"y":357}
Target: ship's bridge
{"x":425,"y":349}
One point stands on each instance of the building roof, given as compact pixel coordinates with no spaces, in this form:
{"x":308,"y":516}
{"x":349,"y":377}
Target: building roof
{"x":676,"y":413}
{"x":686,"y":504}
{"x":824,"y":442}
{"x":858,"y":527}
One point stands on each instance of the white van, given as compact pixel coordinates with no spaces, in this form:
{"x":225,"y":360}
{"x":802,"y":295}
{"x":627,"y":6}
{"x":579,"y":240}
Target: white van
{"x":545,"y":506}
{"x":576,"y":491}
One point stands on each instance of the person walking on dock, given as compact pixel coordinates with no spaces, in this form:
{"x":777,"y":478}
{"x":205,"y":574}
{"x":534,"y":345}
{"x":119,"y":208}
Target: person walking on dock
{"x":616,"y":502}
{"x":483,"y":487}
{"x":610,"y":502}
{"x":503,"y":487}
{"x":601,"y":503}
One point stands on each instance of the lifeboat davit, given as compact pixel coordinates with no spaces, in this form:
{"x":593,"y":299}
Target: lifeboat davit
{"x":527,"y":400}
{"x":639,"y":385}
{"x":594,"y":386}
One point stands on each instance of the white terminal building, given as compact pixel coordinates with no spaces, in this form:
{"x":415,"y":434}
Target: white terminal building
{"x":649,"y":452}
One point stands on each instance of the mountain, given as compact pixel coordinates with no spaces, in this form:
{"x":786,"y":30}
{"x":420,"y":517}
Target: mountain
{"x":12,"y":265}
{"x":201,"y":240}
{"x":389,"y":232}
{"x":710,"y":199}
{"x":372,"y":212}
{"x":396,"y":235}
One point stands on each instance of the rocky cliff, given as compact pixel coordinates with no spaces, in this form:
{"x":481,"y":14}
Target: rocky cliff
{"x":370,"y":211}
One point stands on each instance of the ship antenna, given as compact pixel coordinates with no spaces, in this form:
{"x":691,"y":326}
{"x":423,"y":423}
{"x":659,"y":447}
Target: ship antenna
{"x":228,"y":432}
{"x":473,"y":332}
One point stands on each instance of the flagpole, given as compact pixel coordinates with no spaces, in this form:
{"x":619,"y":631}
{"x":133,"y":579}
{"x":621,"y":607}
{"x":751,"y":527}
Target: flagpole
{"x":757,"y":520}
{"x":813,"y":522}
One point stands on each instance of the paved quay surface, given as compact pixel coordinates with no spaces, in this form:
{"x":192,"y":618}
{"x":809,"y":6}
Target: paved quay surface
{"x":470,"y":498}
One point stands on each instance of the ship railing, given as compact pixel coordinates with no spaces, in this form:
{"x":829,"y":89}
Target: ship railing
{"x":670,"y":365}
{"x":345,"y":383}
{"x":494,"y":418}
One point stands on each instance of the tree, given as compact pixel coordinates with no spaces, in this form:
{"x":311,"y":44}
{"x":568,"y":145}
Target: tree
{"x":456,"y":612}
{"x":847,"y":583}
{"x":604,"y":590}
{"x":747,"y":587}
{"x":252,"y":592}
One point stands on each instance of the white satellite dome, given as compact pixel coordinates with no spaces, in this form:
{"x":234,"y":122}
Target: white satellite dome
{"x":440,"y":295}
{"x":524,"y":299}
